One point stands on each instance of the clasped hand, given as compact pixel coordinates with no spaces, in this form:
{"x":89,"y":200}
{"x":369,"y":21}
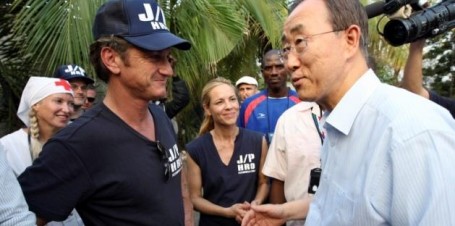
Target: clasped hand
{"x":264,"y":215}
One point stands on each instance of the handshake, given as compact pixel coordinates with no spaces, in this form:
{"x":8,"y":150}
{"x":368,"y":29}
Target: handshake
{"x":277,"y":214}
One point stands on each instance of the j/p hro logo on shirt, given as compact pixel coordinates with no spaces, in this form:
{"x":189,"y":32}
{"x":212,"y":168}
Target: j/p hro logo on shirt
{"x":245,"y":164}
{"x":156,"y":18}
{"x":174,"y":160}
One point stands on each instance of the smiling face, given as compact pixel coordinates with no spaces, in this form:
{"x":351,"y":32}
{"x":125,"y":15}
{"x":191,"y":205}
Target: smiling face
{"x":145,"y":73}
{"x":55,"y":110}
{"x":314,"y":61}
{"x":223,"y":106}
{"x":79,"y":87}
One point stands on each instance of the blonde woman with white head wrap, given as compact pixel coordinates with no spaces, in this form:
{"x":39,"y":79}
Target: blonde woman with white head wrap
{"x":46,"y":106}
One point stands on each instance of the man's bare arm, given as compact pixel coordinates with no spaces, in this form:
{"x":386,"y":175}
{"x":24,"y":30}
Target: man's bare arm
{"x":412,"y":76}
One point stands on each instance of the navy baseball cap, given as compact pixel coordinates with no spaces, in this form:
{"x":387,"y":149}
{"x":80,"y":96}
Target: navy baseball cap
{"x":72,"y":71}
{"x":140,"y":22}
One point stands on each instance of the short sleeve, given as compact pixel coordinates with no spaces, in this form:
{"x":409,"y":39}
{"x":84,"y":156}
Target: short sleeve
{"x":275,"y":163}
{"x":55,"y":183}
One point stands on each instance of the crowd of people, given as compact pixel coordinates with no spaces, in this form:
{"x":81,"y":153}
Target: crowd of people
{"x":342,"y":148}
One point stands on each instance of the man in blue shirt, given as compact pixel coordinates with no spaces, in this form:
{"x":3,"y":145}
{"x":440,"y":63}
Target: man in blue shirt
{"x":261,"y":111}
{"x":388,"y":154}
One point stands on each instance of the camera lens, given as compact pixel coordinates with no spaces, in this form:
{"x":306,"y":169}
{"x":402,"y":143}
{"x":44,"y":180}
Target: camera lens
{"x":422,"y":24}
{"x":396,"y":32}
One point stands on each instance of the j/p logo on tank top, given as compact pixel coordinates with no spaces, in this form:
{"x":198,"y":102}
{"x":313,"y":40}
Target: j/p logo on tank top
{"x":245,"y":164}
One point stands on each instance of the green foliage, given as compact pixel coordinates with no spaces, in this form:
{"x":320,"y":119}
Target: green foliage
{"x":385,"y":72}
{"x":439,"y":64}
{"x":14,"y":72}
{"x":228,"y":37}
{"x":55,"y":32}
{"x":389,"y":60}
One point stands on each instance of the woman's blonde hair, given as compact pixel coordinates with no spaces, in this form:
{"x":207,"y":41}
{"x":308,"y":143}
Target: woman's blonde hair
{"x":207,"y":123}
{"x":35,"y":145}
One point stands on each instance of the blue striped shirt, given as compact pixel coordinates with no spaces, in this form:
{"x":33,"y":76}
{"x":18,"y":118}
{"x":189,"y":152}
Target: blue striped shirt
{"x":388,"y":159}
{"x":13,"y":208}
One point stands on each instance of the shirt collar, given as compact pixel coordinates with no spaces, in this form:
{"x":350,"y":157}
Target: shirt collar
{"x":345,"y":112}
{"x":305,"y":106}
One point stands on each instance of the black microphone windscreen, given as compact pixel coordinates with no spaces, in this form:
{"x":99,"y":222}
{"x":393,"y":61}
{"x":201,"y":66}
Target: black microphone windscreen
{"x":375,"y":9}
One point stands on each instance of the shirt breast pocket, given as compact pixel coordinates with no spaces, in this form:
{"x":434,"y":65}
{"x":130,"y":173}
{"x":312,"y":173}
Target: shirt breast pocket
{"x":331,"y":206}
{"x":345,"y":209}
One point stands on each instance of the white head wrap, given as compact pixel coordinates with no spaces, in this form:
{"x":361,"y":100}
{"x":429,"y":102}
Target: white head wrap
{"x":38,"y":88}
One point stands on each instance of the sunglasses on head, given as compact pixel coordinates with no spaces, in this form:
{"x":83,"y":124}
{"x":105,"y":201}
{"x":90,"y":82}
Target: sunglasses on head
{"x":91,"y":99}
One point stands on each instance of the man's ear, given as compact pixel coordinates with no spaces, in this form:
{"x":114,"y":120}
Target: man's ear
{"x":353,"y":35}
{"x":111,"y":59}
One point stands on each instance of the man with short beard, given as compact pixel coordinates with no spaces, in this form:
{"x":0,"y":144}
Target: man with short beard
{"x":79,"y":81}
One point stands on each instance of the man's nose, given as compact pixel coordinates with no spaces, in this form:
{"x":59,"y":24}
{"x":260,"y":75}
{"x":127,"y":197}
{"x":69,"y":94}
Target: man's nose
{"x":292,"y":62}
{"x":166,"y":69}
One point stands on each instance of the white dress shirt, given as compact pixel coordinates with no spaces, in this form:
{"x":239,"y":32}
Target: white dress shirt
{"x":388,"y":159}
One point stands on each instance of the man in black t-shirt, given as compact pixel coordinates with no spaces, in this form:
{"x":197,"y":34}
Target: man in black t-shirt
{"x":119,"y":163}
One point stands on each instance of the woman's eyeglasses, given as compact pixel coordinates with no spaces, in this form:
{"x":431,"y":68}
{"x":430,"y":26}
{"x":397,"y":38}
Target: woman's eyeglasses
{"x":165,"y":158}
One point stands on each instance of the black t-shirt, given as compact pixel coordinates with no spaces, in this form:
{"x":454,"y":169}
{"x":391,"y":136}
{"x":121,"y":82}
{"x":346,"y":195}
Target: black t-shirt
{"x":445,"y":102}
{"x":112,"y":174}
